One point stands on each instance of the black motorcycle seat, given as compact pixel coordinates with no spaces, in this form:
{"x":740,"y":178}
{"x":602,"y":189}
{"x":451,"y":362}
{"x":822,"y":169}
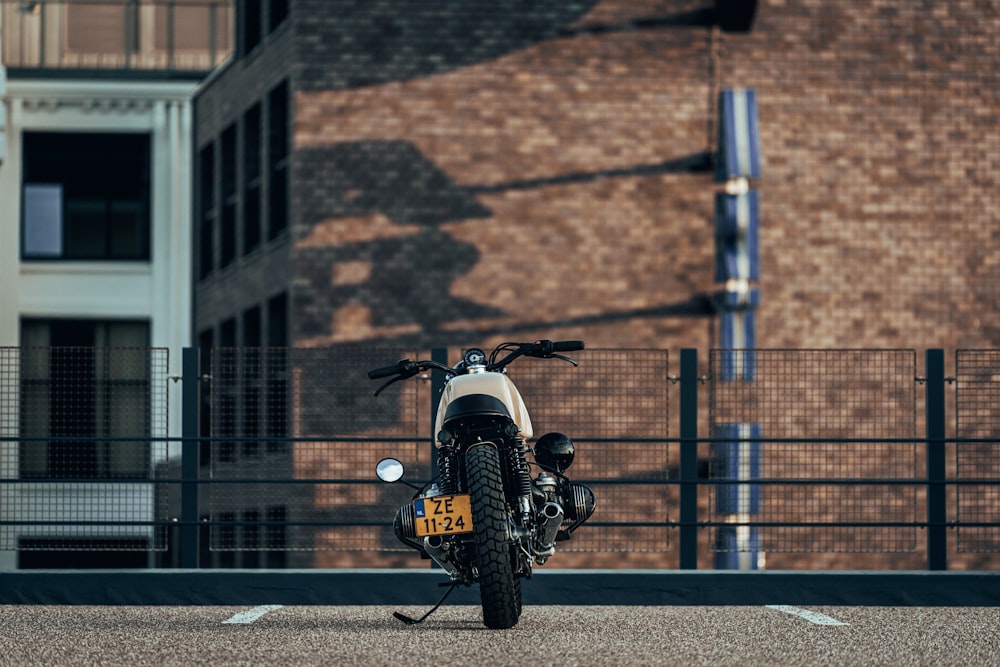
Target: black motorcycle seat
{"x":475,"y":404}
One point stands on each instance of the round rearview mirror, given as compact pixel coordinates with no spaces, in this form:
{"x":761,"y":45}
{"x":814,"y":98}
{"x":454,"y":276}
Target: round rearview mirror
{"x":389,"y":470}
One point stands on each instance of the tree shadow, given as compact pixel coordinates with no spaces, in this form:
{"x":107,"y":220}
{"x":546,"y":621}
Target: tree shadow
{"x":404,"y":276}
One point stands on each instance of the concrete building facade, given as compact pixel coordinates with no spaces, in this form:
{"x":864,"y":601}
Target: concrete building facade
{"x":96,"y":135}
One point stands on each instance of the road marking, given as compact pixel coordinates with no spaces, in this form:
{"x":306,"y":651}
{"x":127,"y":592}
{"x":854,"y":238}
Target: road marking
{"x":246,"y":617}
{"x":811,"y":616}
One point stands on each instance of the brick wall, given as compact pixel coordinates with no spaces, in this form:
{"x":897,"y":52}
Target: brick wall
{"x":543,"y":186}
{"x":465,"y":173}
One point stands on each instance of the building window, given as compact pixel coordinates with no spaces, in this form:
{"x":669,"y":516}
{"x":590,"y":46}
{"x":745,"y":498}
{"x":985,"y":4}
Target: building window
{"x":224,"y":392}
{"x":103,"y":28}
{"x":86,"y":196}
{"x":279,"y":12}
{"x":251,"y":382}
{"x":206,"y":210}
{"x":74,"y":385}
{"x":251,"y":178}
{"x":227,"y":242}
{"x":251,"y":21}
{"x":276,"y":368}
{"x":258,"y":18}
{"x":205,"y":343}
{"x":278,"y":152}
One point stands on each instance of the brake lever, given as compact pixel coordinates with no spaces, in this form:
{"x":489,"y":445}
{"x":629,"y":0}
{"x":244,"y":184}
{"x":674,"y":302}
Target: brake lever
{"x":565,"y":358}
{"x":391,"y":381}
{"x":411,"y":369}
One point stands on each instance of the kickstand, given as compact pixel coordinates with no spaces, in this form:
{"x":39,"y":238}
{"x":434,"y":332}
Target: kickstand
{"x":411,"y":621}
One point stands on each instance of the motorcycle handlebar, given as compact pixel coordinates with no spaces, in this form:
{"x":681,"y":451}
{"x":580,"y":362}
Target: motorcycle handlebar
{"x":544,"y":349}
{"x":387,"y":371}
{"x":567,"y":345}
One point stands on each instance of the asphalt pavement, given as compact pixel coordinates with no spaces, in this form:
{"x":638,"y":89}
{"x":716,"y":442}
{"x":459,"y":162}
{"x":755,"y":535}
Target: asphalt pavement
{"x":454,"y":635}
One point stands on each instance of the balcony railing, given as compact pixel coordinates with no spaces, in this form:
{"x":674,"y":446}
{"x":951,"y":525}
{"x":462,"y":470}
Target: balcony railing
{"x":173,"y":36}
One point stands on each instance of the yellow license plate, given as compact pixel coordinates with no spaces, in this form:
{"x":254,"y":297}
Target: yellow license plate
{"x":443,"y":515}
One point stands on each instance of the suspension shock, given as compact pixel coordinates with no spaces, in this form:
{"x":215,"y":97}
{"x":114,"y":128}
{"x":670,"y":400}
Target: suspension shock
{"x":447,"y":470}
{"x":521,"y":482}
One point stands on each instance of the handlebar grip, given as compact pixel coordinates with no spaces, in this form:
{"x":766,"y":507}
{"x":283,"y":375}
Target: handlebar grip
{"x":567,"y":345}
{"x":386,"y":371}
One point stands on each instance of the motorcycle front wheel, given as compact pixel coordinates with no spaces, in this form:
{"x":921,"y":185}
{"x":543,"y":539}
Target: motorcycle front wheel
{"x":499,"y":590}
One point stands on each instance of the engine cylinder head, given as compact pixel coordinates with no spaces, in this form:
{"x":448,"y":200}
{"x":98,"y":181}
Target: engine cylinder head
{"x":581,"y":502}
{"x":405,"y":523}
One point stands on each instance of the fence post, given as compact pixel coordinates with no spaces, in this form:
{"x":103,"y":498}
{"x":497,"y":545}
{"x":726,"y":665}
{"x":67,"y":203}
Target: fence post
{"x":191,"y":386}
{"x":937,"y":513}
{"x":689,"y":460}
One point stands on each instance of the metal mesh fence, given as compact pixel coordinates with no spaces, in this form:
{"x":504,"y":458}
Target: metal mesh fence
{"x":615,"y":406}
{"x":319,"y":472}
{"x":832,"y":408}
{"x":810,"y":451}
{"x":977,"y":381}
{"x":79,"y":448}
{"x":295,"y":436}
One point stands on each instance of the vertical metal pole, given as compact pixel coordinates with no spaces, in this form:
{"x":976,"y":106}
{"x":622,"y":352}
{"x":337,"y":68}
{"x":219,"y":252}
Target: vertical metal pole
{"x":689,"y":460}
{"x":191,"y":383}
{"x":937,"y":502}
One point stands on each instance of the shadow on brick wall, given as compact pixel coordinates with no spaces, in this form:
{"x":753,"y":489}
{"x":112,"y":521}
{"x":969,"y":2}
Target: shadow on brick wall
{"x":404,"y":270}
{"x":374,"y":42}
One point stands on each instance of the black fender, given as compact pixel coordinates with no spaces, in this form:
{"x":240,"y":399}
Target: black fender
{"x":474,"y":405}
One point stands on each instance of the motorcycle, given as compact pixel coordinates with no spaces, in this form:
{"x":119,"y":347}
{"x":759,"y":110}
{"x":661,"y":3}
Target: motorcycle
{"x":484,"y":519}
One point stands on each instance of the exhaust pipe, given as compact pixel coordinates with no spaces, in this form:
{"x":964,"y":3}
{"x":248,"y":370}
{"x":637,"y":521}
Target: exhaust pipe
{"x":434,"y":546}
{"x":549,"y":521}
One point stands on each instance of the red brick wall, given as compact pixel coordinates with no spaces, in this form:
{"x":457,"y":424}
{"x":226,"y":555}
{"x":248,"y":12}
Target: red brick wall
{"x":541,"y":171}
{"x":481,"y":171}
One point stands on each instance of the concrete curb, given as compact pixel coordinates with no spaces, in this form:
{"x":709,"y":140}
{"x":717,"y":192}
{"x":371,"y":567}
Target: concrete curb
{"x":565,"y":587}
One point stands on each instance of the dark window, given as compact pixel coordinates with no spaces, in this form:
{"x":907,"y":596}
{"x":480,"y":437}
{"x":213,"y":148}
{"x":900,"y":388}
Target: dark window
{"x":277,"y":321}
{"x":278,"y":152}
{"x":86,"y":196}
{"x":206,"y":217}
{"x":276,"y":399}
{"x":224,"y":391}
{"x":251,"y":382}
{"x":252,"y":22}
{"x":229,"y":198}
{"x":251,"y":178}
{"x":279,"y":12}
{"x":74,"y":386}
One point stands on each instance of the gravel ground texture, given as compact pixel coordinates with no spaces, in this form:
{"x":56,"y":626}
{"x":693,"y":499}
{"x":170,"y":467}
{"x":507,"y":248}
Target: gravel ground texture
{"x":454,"y":635}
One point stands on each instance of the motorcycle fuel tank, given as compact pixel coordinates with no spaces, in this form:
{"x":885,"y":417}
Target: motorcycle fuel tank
{"x":496,"y":385}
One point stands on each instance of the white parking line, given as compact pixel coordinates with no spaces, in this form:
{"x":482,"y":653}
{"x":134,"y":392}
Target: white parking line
{"x":253,"y":614}
{"x":811,"y":616}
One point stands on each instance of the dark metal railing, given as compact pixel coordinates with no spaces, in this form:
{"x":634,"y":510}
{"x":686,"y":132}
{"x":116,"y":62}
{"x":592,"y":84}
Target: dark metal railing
{"x":686,"y":502}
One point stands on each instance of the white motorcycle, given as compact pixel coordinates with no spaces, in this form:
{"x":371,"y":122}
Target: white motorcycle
{"x":485,"y":518}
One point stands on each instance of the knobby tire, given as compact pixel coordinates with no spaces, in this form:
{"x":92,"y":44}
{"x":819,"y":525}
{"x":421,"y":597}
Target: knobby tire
{"x":498,"y":588}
